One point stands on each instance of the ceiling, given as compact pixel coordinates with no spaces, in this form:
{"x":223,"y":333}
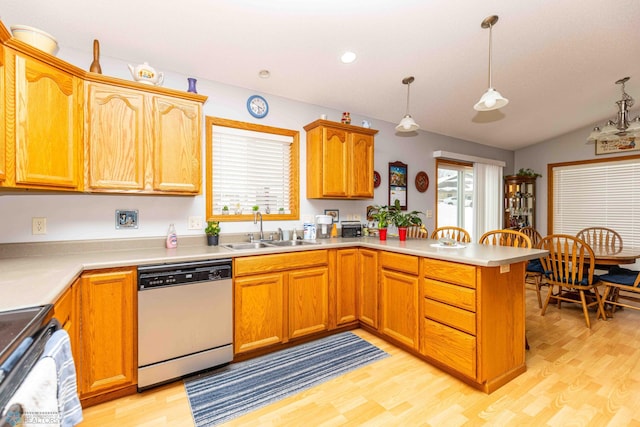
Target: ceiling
{"x":555,"y":60}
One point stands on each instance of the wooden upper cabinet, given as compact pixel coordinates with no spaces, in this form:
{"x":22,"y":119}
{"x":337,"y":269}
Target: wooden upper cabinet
{"x":339,"y":161}
{"x":361,"y":146}
{"x":114,"y":135}
{"x":45,"y":135}
{"x":141,"y":142}
{"x":176,"y":145}
{"x":3,"y":133}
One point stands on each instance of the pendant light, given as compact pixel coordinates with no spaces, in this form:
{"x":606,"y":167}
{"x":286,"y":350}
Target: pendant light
{"x":407,"y":124}
{"x":491,"y":100}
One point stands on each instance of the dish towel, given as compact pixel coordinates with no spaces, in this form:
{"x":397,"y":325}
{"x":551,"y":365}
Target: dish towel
{"x":37,"y":397}
{"x":58,"y":349}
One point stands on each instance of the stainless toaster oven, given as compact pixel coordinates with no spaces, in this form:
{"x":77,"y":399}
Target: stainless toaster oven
{"x":351,"y":229}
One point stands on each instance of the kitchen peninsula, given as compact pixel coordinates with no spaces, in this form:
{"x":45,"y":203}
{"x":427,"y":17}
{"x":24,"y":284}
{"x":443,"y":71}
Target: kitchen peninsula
{"x":461,"y":309}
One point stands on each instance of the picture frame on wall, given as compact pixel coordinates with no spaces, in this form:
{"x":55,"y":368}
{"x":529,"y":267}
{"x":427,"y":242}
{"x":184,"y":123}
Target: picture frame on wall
{"x":398,"y":184}
{"x":334,"y":213}
{"x":622,"y":145}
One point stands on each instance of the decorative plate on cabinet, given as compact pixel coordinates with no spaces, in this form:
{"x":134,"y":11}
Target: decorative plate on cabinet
{"x":422,"y":181}
{"x":376,"y":179}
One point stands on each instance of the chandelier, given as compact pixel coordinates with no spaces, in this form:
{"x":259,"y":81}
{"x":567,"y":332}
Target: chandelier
{"x":622,"y":127}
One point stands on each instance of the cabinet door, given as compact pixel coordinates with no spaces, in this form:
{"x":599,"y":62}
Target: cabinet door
{"x":176,"y":145}
{"x":3,"y":117}
{"x":335,"y":163}
{"x":361,"y":165}
{"x":368,"y":287}
{"x":66,"y":311}
{"x":48,"y":131}
{"x":259,"y":311}
{"x":108,"y":331}
{"x":399,"y":306}
{"x":346,"y":285}
{"x":308,"y":301}
{"x":114,"y":136}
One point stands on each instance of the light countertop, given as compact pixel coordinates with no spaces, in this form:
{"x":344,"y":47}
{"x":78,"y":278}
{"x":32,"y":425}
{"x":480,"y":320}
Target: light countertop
{"x":35,"y":277}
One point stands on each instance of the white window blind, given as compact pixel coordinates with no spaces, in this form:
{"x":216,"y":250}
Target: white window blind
{"x":605,"y":194}
{"x":250,"y":168}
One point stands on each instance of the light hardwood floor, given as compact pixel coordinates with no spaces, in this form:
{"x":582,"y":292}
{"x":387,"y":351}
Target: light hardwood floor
{"x":575,"y":377}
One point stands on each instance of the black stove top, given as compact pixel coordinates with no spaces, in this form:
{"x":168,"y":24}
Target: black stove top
{"x":17,"y":325}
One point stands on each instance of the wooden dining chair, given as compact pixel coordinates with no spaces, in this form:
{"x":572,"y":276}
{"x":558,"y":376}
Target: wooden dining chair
{"x":569,"y":265}
{"x":456,"y":233}
{"x":417,"y":232}
{"x":603,"y":237}
{"x":534,"y":272}
{"x":506,"y":237}
{"x":621,"y":284}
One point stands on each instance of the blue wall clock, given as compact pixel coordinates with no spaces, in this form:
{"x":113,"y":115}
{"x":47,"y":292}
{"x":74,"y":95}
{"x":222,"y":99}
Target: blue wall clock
{"x":257,"y":106}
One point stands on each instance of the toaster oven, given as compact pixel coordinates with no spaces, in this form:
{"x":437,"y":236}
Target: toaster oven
{"x":351,"y":229}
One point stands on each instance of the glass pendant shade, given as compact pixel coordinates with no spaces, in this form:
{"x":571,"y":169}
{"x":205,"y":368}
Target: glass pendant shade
{"x":491,"y":100}
{"x":407,"y":124}
{"x":634,"y":126}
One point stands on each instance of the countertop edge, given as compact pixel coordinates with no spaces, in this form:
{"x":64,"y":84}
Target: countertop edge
{"x":37,"y":280}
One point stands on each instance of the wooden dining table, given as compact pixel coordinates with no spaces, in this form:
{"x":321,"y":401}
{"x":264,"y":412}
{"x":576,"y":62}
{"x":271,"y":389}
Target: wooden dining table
{"x":608,"y":256}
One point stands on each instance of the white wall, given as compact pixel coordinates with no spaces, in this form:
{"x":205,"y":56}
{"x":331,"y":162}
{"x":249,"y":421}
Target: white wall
{"x":565,"y":148}
{"x":92,"y":216}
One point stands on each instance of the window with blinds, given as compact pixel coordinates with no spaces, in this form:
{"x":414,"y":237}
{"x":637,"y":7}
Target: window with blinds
{"x":605,"y":194}
{"x":251,"y":165}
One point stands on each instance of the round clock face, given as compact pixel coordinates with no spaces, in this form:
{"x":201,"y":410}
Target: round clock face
{"x":257,"y":106}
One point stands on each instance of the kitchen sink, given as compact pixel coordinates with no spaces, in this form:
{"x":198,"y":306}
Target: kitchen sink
{"x":292,"y":243}
{"x":247,"y":245}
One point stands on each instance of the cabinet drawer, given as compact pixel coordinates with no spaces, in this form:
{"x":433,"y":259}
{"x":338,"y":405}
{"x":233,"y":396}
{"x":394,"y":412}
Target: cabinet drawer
{"x":278,"y":262}
{"x":399,"y":262}
{"x":450,"y":347}
{"x":451,"y":272}
{"x":452,"y":316}
{"x":455,"y":295}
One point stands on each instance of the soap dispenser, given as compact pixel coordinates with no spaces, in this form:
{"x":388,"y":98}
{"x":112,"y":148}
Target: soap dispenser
{"x":172,"y":237}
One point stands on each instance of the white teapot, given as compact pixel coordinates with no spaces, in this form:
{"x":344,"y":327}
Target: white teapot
{"x":144,"y":73}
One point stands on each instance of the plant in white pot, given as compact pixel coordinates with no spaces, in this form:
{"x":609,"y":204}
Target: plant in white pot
{"x":212,"y":230}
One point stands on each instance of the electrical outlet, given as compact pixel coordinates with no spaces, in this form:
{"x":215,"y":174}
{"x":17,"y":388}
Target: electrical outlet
{"x":429,"y":213}
{"x":195,"y":223}
{"x":38,"y":225}
{"x":505,"y":268}
{"x":356,"y":217}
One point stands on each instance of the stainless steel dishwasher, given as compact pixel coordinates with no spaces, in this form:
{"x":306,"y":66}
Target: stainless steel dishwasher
{"x":185,"y":321}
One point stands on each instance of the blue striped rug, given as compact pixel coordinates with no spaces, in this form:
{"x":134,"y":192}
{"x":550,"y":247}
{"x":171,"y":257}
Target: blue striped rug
{"x":238,"y":388}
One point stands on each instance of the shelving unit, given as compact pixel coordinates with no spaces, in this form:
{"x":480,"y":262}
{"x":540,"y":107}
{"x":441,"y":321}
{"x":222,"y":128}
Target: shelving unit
{"x":519,"y":201}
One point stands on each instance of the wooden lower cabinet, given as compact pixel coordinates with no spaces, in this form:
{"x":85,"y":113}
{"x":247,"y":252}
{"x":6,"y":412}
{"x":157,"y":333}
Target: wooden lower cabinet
{"x":472,"y":321}
{"x":367,"y":283}
{"x":399,"y":298}
{"x":308,"y":301}
{"x":260,"y":311}
{"x":66,"y":311}
{"x":279,"y":297}
{"x":108,"y":333}
{"x":347,"y":278}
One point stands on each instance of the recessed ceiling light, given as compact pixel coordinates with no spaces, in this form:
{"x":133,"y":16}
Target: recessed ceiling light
{"x":264,"y":74}
{"x":348,"y":57}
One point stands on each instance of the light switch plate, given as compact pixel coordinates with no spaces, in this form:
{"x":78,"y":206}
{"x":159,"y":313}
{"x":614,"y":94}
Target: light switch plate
{"x":195,"y":223}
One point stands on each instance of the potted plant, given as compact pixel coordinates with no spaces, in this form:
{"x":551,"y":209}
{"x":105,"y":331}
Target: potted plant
{"x":225,"y":210}
{"x":382,"y":218}
{"x":402,"y":220}
{"x":212,"y":230}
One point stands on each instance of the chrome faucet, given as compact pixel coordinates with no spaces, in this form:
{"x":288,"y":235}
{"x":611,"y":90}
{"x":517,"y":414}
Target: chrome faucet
{"x":255,"y":221}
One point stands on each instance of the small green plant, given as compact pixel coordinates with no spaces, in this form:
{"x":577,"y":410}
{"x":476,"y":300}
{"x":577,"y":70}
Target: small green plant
{"x":528,"y":173}
{"x":255,"y":208}
{"x":381,"y":216}
{"x":212,"y":228}
{"x":225,"y":209}
{"x":400,"y":219}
